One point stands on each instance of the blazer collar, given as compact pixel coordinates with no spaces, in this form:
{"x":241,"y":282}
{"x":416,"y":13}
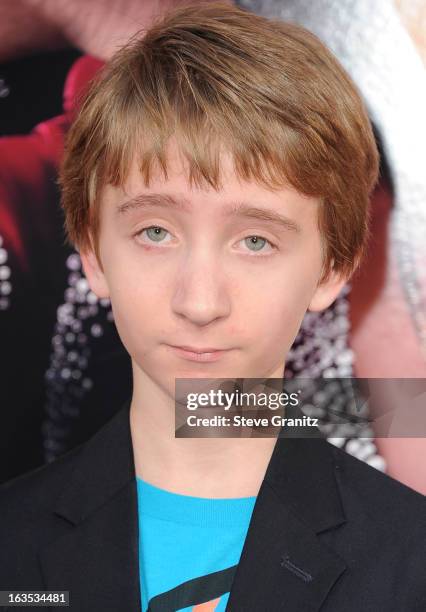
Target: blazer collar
{"x":95,"y":554}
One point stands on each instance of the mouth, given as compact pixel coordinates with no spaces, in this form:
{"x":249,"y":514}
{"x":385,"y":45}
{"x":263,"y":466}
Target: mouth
{"x":203,"y":355}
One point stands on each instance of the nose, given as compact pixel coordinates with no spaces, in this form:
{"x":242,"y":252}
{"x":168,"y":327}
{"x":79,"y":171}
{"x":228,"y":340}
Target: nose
{"x":201,"y":293}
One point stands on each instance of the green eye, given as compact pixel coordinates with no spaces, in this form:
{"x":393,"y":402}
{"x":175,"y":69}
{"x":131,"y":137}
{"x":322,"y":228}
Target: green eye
{"x":155,"y":233}
{"x":255,"y":241}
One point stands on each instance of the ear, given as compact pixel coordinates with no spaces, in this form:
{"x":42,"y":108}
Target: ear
{"x":94,"y":274}
{"x":327,"y":291}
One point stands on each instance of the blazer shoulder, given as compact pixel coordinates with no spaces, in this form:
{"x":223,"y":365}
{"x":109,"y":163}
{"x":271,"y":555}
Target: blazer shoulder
{"x":380,"y":495}
{"x":33,"y":492}
{"x":93,"y":467}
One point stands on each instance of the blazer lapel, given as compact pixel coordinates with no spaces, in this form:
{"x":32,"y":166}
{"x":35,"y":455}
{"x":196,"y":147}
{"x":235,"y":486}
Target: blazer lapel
{"x":283,"y":564}
{"x":95,"y":554}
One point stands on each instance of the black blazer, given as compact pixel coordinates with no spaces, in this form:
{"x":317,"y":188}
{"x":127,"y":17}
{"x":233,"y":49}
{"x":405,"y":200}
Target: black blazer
{"x":328,"y":532}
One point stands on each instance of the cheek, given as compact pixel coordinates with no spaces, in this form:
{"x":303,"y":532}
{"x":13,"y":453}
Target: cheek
{"x":134,"y":285}
{"x":280,"y":321}
{"x":279,"y":311}
{"x":138,"y":309}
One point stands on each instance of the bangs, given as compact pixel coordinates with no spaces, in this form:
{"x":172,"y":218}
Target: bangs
{"x":264,"y":151}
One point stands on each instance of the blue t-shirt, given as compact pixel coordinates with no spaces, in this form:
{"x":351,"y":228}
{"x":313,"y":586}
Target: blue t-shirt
{"x":189,"y":548}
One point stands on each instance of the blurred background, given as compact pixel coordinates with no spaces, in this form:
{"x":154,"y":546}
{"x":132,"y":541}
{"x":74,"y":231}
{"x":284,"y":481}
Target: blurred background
{"x":64,"y":371}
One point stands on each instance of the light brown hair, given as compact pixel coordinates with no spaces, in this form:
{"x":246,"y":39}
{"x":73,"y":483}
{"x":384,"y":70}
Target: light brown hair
{"x":213,"y":75}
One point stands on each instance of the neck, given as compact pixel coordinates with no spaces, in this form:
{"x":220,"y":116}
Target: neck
{"x":201,"y":467}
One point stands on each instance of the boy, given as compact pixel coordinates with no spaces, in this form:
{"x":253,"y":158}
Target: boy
{"x":216,"y":183}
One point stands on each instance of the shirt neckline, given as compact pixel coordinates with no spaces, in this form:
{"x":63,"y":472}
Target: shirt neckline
{"x":203,"y":511}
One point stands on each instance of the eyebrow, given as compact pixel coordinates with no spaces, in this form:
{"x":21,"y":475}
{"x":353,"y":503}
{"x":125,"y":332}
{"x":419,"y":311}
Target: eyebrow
{"x":237,"y":209}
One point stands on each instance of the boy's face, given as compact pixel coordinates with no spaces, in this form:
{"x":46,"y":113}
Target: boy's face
{"x":203,"y":280}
